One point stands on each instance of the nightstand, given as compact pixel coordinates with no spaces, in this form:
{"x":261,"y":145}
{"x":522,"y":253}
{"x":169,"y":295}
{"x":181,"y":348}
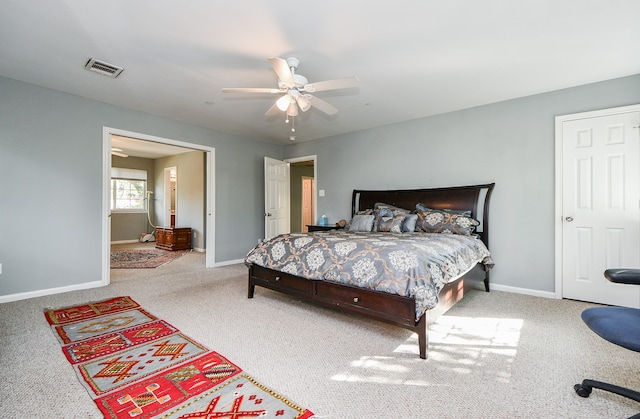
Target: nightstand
{"x":312,"y":228}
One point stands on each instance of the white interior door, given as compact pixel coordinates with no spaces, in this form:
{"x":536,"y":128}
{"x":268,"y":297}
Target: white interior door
{"x":276,"y":197}
{"x":600,"y":203}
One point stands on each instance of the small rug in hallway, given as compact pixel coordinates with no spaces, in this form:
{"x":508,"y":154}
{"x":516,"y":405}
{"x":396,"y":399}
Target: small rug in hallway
{"x":143,"y":258}
{"x":136,"y":366}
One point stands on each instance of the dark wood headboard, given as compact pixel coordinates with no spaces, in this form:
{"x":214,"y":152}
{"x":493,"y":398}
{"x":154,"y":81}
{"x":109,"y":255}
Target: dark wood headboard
{"x":474,"y":198}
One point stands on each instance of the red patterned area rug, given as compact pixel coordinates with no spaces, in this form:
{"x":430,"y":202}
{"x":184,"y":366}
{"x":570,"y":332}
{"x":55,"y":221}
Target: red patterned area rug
{"x":143,"y":258}
{"x":136,"y":366}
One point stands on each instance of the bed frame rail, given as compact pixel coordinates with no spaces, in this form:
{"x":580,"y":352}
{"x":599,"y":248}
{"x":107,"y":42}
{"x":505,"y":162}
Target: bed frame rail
{"x":392,"y":309}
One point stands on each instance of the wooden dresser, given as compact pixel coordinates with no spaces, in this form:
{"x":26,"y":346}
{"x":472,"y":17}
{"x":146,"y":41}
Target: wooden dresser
{"x":173,"y":238}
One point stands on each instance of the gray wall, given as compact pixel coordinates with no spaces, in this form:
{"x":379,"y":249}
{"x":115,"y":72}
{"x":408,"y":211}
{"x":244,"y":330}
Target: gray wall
{"x":51,"y":178}
{"x":510,"y":143}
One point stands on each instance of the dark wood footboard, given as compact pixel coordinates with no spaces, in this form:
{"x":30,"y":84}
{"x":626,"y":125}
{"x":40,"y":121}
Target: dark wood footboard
{"x":388,"y":308}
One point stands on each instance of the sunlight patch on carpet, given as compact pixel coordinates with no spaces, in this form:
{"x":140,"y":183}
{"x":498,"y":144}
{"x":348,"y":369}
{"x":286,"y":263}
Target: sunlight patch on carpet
{"x":459,"y":345}
{"x":482,"y":331}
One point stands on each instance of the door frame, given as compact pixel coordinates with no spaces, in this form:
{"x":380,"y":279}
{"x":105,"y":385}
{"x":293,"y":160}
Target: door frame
{"x":210,"y":196}
{"x":558,"y":218}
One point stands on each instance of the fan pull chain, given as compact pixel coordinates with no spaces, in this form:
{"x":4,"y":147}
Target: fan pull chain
{"x":293,"y":124}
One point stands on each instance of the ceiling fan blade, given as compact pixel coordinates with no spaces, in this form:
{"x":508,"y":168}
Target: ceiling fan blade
{"x":332,"y":84}
{"x":323,"y":106}
{"x":283,"y":71}
{"x":250,"y":90}
{"x":273,"y":110}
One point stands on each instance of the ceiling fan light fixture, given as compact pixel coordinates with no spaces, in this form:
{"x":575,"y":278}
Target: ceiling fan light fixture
{"x":304,"y":103}
{"x":283,"y":103}
{"x":293,"y":109}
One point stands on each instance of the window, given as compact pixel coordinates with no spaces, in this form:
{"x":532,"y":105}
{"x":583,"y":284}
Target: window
{"x":128,"y":190}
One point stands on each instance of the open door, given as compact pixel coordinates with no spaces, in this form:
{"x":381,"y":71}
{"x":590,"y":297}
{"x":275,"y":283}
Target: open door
{"x":276,"y":197}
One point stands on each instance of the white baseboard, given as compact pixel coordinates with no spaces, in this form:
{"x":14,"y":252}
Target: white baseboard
{"x":125,"y":241}
{"x":41,"y":293}
{"x":228,"y":262}
{"x":525,"y":291}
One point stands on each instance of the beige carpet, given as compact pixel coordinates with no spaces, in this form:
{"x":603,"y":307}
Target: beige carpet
{"x":495,"y":355}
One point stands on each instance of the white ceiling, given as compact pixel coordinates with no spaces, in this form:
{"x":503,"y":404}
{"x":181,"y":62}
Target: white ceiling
{"x":414,"y":58}
{"x":133,"y":147}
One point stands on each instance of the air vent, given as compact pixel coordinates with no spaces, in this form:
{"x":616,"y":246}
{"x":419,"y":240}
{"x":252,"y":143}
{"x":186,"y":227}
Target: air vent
{"x":103,"y":68}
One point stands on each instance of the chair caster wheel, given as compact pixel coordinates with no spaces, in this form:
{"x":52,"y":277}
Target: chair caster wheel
{"x":582,"y":391}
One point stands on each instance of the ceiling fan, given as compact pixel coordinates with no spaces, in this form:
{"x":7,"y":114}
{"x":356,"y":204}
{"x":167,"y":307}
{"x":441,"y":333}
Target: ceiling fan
{"x":295,"y":90}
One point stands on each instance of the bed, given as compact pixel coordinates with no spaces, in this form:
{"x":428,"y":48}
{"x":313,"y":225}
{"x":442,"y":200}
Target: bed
{"x":400,"y":274}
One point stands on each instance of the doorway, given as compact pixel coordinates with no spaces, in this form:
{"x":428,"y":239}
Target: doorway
{"x":170,"y":195}
{"x":209,"y":193}
{"x":308,"y":202}
{"x":303,"y":179}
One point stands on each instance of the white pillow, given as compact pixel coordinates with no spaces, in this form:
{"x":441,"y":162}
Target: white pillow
{"x":361,"y":223}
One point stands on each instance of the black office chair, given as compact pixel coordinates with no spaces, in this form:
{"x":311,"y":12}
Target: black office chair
{"x":619,"y":325}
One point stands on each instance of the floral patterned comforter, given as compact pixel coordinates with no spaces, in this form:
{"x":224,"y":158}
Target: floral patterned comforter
{"x":409,"y":264}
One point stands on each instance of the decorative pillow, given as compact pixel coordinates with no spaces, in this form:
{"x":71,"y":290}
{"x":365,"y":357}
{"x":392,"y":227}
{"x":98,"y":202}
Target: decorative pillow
{"x":365,"y":212}
{"x":445,"y":222}
{"x":361,"y":222}
{"x":393,"y":208}
{"x":423,"y":207}
{"x":391,"y":224}
{"x":409,"y":223}
{"x":379,"y":213}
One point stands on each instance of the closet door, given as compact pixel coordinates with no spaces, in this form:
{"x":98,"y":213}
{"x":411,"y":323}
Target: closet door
{"x":600,"y":203}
